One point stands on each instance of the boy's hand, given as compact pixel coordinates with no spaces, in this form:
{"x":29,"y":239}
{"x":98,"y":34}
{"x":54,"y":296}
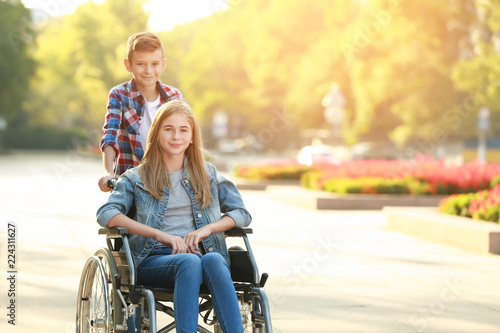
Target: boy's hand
{"x":103,"y":182}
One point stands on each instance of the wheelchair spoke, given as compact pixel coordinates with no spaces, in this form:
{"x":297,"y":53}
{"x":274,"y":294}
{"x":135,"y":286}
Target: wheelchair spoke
{"x":246,"y":316}
{"x":93,"y":313}
{"x":97,"y":304}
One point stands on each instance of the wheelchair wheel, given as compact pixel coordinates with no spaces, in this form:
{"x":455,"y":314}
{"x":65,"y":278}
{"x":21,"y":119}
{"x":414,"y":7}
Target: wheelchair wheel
{"x":245,"y":308}
{"x":246,"y":314}
{"x":246,"y":318}
{"x":94,"y":305}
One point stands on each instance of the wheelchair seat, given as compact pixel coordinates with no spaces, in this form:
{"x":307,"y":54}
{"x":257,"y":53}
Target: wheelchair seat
{"x":108,"y":293}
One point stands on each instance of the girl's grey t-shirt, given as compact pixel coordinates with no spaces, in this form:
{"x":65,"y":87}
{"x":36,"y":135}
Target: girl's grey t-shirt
{"x":179,"y":219}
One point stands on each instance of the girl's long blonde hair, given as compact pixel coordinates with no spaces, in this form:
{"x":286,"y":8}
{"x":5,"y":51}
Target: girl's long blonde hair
{"x":154,"y":173}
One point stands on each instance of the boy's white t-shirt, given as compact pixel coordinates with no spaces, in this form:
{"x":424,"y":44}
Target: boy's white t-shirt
{"x":147,"y":120}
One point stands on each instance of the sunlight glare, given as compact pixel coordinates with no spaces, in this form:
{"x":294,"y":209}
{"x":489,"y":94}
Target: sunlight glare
{"x":165,"y":14}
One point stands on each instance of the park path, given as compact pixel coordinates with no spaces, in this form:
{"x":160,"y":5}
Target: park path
{"x":330,"y":271}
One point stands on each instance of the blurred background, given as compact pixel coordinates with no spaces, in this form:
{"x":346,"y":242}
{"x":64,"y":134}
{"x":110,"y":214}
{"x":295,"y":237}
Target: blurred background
{"x":321,"y":81}
{"x":359,"y":78}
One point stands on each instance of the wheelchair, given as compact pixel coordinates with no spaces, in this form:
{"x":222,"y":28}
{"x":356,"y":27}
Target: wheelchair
{"x":108,"y":294}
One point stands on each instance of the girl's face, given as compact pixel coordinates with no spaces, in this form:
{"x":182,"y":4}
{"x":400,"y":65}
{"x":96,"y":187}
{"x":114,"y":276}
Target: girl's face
{"x":175,"y":135}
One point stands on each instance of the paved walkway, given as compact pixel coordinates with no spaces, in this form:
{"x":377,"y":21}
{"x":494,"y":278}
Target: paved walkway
{"x":330,"y":271}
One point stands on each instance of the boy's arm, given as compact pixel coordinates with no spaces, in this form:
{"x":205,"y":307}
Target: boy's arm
{"x":108,"y":158}
{"x":109,"y":141}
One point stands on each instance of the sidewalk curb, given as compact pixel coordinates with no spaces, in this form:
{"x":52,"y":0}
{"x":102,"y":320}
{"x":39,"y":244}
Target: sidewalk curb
{"x":309,"y":199}
{"x":262,"y":185}
{"x":461,"y":232}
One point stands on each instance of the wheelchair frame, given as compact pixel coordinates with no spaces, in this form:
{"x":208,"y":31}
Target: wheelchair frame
{"x":108,"y":294}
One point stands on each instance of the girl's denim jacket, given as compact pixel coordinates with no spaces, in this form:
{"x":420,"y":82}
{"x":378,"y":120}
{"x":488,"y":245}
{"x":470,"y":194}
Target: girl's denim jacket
{"x":130,"y":191}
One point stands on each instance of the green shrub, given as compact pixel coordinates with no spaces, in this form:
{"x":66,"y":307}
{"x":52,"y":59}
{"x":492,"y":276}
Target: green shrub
{"x":343,"y":185}
{"x":311,"y":180}
{"x":459,"y":204}
{"x":369,"y":185}
{"x":263,"y":172}
{"x":495,"y":181}
{"x":42,"y":138}
{"x":491,"y":214}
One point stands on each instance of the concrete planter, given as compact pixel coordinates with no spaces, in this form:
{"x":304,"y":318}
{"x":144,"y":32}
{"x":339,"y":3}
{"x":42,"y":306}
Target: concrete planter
{"x":261,"y":185}
{"x":461,"y":232}
{"x":309,"y":199}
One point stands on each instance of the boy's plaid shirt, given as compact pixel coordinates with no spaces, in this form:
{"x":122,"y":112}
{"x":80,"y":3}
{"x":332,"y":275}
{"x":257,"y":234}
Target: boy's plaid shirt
{"x":123,"y":119}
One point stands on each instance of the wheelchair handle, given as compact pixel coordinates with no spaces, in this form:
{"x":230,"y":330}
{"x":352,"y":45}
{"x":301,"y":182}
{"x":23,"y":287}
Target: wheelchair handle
{"x":112,"y":183}
{"x":263,"y":280}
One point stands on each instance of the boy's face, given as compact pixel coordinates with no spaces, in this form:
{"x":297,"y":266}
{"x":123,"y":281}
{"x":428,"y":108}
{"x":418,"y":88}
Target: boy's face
{"x":146,"y":67}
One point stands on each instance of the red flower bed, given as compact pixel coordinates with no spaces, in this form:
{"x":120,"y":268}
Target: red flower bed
{"x":431,"y":176}
{"x":474,"y":188}
{"x":486,"y":205}
{"x":464,"y":178}
{"x":435,"y":176}
{"x":482,"y":205}
{"x":271,"y":169}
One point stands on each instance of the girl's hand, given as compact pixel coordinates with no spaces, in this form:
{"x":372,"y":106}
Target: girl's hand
{"x":193,"y":238}
{"x":176,"y":243}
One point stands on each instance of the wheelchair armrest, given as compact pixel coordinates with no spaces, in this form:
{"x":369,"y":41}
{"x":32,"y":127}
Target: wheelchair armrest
{"x":113,"y":231}
{"x":117,"y":241}
{"x":235,"y":232}
{"x":238,"y":232}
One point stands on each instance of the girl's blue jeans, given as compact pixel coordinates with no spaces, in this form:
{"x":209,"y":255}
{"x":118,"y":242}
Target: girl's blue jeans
{"x":185,"y":273}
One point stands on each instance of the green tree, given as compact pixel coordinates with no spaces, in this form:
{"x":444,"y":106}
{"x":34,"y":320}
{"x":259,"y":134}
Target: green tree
{"x":243,"y":62}
{"x":277,"y":36}
{"x":322,"y":64}
{"x":16,"y":60}
{"x":478,"y":70}
{"x":392,"y":59}
{"x":81,"y":58}
{"x":401,"y":56}
{"x":212,"y":77}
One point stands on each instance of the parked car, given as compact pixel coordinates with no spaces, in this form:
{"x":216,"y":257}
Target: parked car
{"x":238,"y":145}
{"x":374,"y":150}
{"x":228,"y":146}
{"x":318,"y":154}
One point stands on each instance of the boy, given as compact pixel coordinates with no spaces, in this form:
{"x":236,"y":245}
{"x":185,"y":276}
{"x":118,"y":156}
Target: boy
{"x":132,"y":105}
